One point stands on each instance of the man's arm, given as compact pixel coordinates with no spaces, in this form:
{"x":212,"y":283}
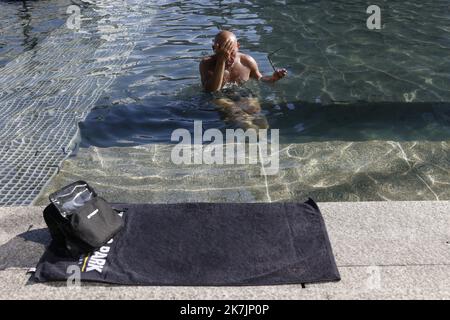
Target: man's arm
{"x":255,"y":74}
{"x":213,"y":81}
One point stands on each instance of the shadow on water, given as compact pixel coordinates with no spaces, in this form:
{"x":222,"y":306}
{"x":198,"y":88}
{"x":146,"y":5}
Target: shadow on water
{"x":298,"y":122}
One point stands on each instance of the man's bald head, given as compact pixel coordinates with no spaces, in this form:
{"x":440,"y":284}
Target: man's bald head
{"x":223,"y":36}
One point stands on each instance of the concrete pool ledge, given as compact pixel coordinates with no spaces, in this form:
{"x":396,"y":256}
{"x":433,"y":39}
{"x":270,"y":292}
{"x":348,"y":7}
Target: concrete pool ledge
{"x":384,"y":250}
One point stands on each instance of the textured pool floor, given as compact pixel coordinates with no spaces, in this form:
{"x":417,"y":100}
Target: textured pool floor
{"x":46,"y":92}
{"x":340,"y":171}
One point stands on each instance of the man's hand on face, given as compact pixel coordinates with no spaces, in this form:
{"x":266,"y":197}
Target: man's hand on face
{"x":279,"y":74}
{"x":224,"y":51}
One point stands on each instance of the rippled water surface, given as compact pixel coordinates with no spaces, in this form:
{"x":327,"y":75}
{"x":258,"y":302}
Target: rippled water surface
{"x":23,"y":24}
{"x":330,"y":55}
{"x":326,"y":47}
{"x":345,"y":82}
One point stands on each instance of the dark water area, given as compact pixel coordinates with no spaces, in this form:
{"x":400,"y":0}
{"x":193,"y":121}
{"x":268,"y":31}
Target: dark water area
{"x":23,"y":24}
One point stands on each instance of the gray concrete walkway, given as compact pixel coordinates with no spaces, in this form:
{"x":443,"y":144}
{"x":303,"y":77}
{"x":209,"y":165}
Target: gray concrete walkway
{"x":384,"y":250}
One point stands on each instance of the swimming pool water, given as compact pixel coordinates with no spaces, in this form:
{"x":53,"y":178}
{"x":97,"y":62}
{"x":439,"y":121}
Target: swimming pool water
{"x":24,"y":24}
{"x":330,"y":55}
{"x":345,"y":83}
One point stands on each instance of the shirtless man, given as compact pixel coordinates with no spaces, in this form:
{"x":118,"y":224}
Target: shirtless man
{"x":228,"y":65}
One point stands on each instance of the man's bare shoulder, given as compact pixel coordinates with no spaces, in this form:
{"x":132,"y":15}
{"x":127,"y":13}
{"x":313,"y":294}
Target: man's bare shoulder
{"x":248,"y":61}
{"x":207,"y":61}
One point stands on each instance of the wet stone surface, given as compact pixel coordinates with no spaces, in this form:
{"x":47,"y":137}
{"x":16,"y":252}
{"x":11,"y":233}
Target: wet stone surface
{"x":325,"y":171}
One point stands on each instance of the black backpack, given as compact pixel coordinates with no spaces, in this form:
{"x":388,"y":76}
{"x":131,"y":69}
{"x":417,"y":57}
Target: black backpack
{"x":79,"y":221}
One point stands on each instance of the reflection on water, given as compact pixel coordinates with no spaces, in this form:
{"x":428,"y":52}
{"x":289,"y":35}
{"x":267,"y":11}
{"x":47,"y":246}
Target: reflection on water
{"x":23,"y":23}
